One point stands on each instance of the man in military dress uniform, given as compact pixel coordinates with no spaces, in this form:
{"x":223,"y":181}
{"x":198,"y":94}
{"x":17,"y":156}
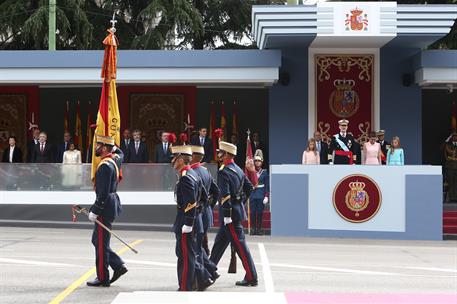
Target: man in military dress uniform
{"x":259,"y":197}
{"x":341,"y":149}
{"x":234,"y":188}
{"x":450,"y":156}
{"x":106,"y":208}
{"x":187,"y":192}
{"x":385,"y":146}
{"x":205,"y":209}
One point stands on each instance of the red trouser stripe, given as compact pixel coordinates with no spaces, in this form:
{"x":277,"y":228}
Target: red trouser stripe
{"x":101,"y":253}
{"x":244,"y":260}
{"x":185,"y":262}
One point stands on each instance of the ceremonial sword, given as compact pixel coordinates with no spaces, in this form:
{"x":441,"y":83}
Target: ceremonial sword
{"x":79,"y":209}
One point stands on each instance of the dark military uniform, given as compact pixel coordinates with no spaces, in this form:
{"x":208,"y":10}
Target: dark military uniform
{"x":341,"y":150}
{"x":186,"y":194}
{"x":256,"y":200}
{"x":384,"y":149}
{"x":211,"y":188}
{"x":107,"y":206}
{"x":234,"y":188}
{"x":450,"y":156}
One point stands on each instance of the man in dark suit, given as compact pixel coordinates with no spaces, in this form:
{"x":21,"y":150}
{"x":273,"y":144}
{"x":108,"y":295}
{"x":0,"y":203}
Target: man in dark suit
{"x":31,"y":144}
{"x":257,"y":144}
{"x":322,"y":148}
{"x":162,"y":153}
{"x":205,"y":142}
{"x":12,"y":154}
{"x":138,"y":152}
{"x":61,"y":148}
{"x":125,"y":145}
{"x":42,"y":152}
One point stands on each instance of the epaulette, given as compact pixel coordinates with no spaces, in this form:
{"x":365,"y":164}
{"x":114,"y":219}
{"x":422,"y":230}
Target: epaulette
{"x":184,"y":173}
{"x":222,"y":168}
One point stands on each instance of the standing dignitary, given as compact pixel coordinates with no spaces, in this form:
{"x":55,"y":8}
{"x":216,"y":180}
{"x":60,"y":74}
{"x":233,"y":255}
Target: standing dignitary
{"x":259,"y":197}
{"x":186,"y":195}
{"x":450,"y":156}
{"x":212,"y":190}
{"x":321,"y":147}
{"x":205,"y":142}
{"x":385,"y":145}
{"x":42,"y":152}
{"x":234,"y":187}
{"x":61,"y":148}
{"x":162,"y":153}
{"x":12,"y":154}
{"x":138,"y":149}
{"x":106,"y":208}
{"x":341,"y":150}
{"x":31,"y":144}
{"x":125,"y":144}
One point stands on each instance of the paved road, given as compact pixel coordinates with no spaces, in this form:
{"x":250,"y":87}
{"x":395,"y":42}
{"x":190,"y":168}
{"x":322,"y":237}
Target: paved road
{"x":38,"y":264}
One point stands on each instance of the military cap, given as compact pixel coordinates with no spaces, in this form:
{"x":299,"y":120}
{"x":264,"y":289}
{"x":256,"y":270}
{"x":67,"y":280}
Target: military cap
{"x":181,"y":150}
{"x":198,"y":150}
{"x":227,"y":147}
{"x":343,"y":122}
{"x":107,"y":140}
{"x":380,"y":132}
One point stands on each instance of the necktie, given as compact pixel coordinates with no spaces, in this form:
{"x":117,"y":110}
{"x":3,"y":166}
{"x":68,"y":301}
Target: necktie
{"x":137,"y":144}
{"x":42,"y":148}
{"x":319,"y":146}
{"x":165,"y":148}
{"x":202,"y":141}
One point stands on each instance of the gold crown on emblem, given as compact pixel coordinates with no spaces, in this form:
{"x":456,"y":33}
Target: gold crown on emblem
{"x":356,"y":11}
{"x":344,"y":84}
{"x":357,"y":185}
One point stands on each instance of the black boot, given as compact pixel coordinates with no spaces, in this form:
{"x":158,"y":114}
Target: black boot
{"x":245,"y":282}
{"x":259,"y":224}
{"x":97,"y":283}
{"x":118,"y":273}
{"x":253,"y":224}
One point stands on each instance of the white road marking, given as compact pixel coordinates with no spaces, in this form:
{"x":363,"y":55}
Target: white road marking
{"x":333,"y":269}
{"x":35,"y":263}
{"x":142,"y":262}
{"x":267,"y":276}
{"x":432,"y":269}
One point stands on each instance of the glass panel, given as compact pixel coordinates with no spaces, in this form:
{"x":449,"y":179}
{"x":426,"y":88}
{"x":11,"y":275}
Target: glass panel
{"x":66,"y":177}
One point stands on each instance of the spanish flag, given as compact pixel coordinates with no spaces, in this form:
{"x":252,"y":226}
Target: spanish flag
{"x":78,"y":138}
{"x":108,"y":117}
{"x":223,"y":121}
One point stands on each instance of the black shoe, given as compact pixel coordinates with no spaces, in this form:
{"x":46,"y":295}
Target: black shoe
{"x":206,"y":284}
{"x":118,"y":273}
{"x":253,"y":232}
{"x":260,"y":232}
{"x":215,"y":275}
{"x":97,"y":283}
{"x":247,"y":283}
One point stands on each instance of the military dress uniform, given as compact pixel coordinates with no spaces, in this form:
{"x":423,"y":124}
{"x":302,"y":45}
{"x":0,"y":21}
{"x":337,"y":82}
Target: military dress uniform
{"x":256,"y":200}
{"x":342,"y":148}
{"x":107,"y":207}
{"x":212,"y":190}
{"x":186,"y":195}
{"x":385,"y":145}
{"x":450,"y":156}
{"x":234,"y":187}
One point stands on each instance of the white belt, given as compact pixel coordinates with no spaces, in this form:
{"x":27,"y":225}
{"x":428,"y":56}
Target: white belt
{"x":260,"y":186}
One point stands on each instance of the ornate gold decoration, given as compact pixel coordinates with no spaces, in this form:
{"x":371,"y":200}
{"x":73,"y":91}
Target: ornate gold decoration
{"x":364,"y":129}
{"x":344,"y":64}
{"x":323,"y":129}
{"x":356,"y":198}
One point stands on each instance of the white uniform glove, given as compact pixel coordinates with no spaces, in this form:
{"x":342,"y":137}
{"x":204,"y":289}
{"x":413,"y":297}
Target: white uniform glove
{"x":114,"y":149}
{"x":186,"y":229}
{"x":265,"y":200}
{"x":227,"y":220}
{"x":92,"y":216}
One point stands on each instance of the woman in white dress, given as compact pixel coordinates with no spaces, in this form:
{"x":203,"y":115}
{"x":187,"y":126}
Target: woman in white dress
{"x":71,"y":168}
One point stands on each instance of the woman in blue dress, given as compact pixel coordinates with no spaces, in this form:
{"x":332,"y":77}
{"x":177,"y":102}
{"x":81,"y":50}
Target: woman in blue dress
{"x":395,"y":154}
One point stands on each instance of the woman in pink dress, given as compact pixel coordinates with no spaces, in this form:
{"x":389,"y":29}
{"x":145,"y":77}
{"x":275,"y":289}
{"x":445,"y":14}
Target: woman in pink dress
{"x":311,"y":155}
{"x":372,"y":151}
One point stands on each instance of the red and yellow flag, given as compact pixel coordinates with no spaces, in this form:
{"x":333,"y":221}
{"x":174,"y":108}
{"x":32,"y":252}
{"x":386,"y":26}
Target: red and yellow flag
{"x":88,"y":132}
{"x":108,"y":117}
{"x":235,"y":119}
{"x":78,"y":139}
{"x":65,"y":118}
{"x":212,"y":128}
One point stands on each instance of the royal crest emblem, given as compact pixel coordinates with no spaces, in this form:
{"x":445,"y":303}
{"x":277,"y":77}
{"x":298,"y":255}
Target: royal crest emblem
{"x":344,"y":100}
{"x":357,"y":198}
{"x":356,"y":21}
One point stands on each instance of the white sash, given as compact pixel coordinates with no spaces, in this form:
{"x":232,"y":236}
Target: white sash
{"x":341,"y":143}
